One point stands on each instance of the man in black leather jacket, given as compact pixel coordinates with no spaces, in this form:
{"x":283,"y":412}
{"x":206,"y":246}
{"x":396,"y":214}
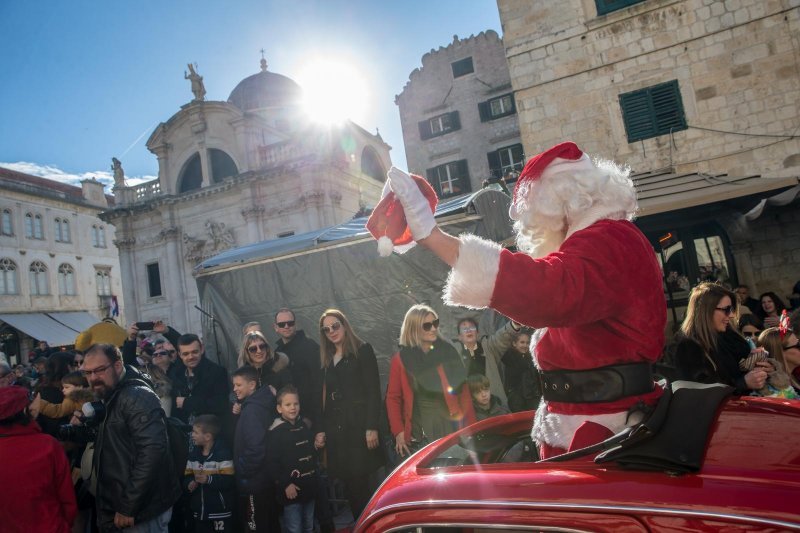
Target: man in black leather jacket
{"x":136,"y":480}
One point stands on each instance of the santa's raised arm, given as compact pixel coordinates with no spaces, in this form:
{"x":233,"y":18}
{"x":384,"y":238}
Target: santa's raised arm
{"x":584,"y":275}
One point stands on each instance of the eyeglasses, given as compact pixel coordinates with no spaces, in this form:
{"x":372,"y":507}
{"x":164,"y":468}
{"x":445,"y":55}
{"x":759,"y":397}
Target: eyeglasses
{"x":728,"y":309}
{"x":795,"y":346}
{"x":749,"y":334}
{"x":99,"y":370}
{"x":333,"y":327}
{"x":160,"y":354}
{"x":427,"y":326}
{"x":469,"y":329}
{"x":253,"y":348}
{"x":287,"y":324}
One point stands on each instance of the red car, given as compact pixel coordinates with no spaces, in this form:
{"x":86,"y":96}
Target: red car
{"x":483,"y":479}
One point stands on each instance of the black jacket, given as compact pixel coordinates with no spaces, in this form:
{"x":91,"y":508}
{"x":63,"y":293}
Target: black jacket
{"x":305,"y":367}
{"x":132,"y":458}
{"x":293,"y":459}
{"x":275,"y":372}
{"x":213,"y":500}
{"x":250,"y":442}
{"x":206,"y":394}
{"x":691,"y":363}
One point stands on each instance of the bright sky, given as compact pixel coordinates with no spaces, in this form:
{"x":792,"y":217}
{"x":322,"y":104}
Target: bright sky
{"x":83,"y":81}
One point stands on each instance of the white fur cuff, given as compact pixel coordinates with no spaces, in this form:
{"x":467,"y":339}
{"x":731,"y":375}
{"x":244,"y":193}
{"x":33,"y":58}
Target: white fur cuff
{"x":471,"y":281}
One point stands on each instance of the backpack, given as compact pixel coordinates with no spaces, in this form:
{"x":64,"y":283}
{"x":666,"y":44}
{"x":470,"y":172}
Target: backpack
{"x":178,"y":436}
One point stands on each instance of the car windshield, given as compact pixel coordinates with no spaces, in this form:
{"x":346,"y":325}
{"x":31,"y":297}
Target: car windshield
{"x":485,"y":447}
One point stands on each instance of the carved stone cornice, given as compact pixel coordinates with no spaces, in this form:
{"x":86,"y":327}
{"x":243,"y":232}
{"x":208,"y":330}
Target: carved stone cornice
{"x":172,"y":232}
{"x":125,"y":243}
{"x":253,"y":212}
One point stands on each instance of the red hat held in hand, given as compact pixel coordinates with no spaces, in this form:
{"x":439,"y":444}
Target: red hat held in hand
{"x":387,"y":223}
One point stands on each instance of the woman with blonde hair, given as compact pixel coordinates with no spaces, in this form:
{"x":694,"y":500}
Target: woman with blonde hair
{"x":272,"y":367}
{"x":786,"y":350}
{"x":709,"y":348}
{"x":427,"y":397}
{"x":351,"y":402}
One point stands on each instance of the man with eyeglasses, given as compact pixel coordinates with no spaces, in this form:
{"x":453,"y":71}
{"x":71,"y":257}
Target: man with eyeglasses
{"x":136,"y":481}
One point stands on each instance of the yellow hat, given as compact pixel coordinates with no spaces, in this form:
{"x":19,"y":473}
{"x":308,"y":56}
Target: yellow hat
{"x":102,"y":332}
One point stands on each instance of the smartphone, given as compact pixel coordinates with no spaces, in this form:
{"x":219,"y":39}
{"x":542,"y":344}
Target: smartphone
{"x":145,"y":326}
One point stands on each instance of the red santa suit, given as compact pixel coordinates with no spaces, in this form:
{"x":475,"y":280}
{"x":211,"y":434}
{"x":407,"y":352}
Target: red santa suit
{"x":599,"y":297}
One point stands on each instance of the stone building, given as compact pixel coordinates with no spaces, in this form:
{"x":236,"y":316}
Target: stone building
{"x":58,"y":267}
{"x":699,"y":97}
{"x":459,"y":117}
{"x":232,"y":173}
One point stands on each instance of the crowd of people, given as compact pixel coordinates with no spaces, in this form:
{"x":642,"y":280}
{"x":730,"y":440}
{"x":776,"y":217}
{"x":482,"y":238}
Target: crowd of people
{"x":269,"y":442}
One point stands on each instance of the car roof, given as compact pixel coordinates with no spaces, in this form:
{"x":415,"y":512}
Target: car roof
{"x":751,"y":470}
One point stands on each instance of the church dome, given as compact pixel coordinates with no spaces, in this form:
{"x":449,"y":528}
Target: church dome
{"x":265,"y":89}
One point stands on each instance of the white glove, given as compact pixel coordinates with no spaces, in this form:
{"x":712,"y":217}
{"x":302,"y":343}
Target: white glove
{"x":416,"y":207}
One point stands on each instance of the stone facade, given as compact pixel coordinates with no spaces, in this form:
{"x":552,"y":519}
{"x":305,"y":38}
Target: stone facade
{"x":65,"y":235}
{"x":230,"y":174}
{"x":736,"y":64}
{"x":433,"y":91}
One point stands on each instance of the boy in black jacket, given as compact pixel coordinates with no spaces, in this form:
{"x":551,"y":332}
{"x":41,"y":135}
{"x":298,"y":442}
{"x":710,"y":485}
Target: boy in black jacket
{"x":209,"y":477}
{"x":293,"y":463}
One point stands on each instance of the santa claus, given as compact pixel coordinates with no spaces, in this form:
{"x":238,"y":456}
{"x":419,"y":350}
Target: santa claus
{"x":584,"y":276}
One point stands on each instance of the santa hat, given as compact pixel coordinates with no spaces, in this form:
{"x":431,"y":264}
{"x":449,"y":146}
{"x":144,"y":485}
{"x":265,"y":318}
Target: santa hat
{"x":564,"y":157}
{"x":387,"y":223}
{"x":100,"y":333}
{"x":13,"y":400}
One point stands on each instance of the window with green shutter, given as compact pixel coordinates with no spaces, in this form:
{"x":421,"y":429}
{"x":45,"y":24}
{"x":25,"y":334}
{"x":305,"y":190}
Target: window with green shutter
{"x":501,"y":106}
{"x":450,"y":179}
{"x":607,"y":6}
{"x":652,"y":111}
{"x":439,"y":125}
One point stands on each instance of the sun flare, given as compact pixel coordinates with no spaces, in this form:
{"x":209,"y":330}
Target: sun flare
{"x":334,"y":91}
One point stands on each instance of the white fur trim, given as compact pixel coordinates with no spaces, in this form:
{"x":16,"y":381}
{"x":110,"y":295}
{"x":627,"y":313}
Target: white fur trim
{"x":559,"y":164}
{"x":558,"y":429}
{"x":385,"y":246}
{"x":471,"y":281}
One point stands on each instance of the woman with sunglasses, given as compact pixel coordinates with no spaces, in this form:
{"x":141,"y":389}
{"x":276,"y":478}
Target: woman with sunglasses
{"x":351,"y":403}
{"x":272,"y":367}
{"x":750,"y":326}
{"x":786,"y":350}
{"x":709,"y":347}
{"x":427,"y":397}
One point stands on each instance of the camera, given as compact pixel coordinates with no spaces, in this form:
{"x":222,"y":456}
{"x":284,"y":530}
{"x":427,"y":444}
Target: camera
{"x":92,"y":414}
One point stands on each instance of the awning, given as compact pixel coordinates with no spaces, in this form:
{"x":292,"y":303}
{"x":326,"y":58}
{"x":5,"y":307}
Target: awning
{"x":77,"y":320}
{"x":41,"y":327}
{"x":659,"y":192}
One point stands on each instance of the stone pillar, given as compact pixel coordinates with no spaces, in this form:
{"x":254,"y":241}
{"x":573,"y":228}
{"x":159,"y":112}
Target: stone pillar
{"x":742,"y":253}
{"x":161,"y":152}
{"x":252,"y":216}
{"x":126,"y":247}
{"x":173,"y":278}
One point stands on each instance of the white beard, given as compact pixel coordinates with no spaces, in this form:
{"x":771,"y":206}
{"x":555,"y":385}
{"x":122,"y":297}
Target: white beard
{"x":540,"y":242}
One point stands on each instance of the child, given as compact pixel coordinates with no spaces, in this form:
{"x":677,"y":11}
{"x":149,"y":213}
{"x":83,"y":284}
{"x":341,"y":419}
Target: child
{"x":76,"y":393}
{"x":258,"y":507}
{"x":209,"y":477}
{"x":485,"y":403}
{"x":293,"y":463}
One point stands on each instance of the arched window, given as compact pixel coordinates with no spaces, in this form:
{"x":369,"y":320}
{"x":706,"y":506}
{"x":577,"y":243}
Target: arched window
{"x":98,"y":236}
{"x":371,"y":164}
{"x":191,"y":177}
{"x":6,"y":223}
{"x":29,"y":225}
{"x":102,"y":278}
{"x":222,"y":166}
{"x":62,"y":230}
{"x":8,"y":276}
{"x":37,"y":274}
{"x":38,"y":229}
{"x":66,"y":280}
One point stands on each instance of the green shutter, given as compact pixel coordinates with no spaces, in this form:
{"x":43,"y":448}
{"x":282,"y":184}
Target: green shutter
{"x":484,"y":111}
{"x":455,"y":121}
{"x":494,"y":164}
{"x":607,"y":6}
{"x":425,"y":130}
{"x":652,"y":111}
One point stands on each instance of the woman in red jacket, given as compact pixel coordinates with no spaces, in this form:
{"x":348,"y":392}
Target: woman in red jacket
{"x":427,"y":397}
{"x":37,"y":494}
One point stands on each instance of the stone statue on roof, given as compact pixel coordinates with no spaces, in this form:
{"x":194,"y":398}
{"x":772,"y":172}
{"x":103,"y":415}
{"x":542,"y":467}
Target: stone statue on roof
{"x":198,"y":89}
{"x":119,"y":174}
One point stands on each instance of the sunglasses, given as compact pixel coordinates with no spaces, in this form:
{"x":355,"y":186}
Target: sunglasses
{"x":257,"y":348}
{"x":160,"y":354}
{"x":749,"y":334}
{"x":287,"y":324}
{"x":333,"y":327}
{"x":728,"y":309}
{"x":427,"y":326}
{"x":469,"y":329}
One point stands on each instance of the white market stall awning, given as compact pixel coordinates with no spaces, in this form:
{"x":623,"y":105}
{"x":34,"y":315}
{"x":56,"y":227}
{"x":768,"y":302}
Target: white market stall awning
{"x":77,"y":320}
{"x":41,"y":327}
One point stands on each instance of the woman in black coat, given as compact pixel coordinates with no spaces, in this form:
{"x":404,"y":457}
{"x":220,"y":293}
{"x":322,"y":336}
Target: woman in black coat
{"x":351,"y":402}
{"x":709,"y":348}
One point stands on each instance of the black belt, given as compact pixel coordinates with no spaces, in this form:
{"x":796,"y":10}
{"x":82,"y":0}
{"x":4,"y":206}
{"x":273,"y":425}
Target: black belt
{"x":605,"y":384}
